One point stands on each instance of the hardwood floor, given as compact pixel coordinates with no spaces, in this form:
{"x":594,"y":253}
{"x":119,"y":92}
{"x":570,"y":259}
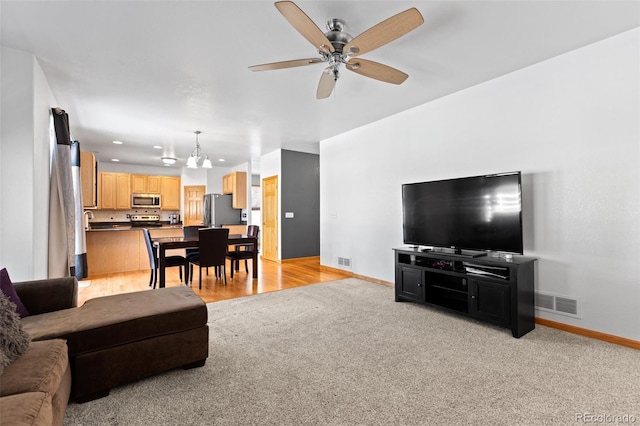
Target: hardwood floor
{"x":272,"y":276}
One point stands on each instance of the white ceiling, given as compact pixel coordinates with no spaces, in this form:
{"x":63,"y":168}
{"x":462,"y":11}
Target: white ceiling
{"x":150,"y":73}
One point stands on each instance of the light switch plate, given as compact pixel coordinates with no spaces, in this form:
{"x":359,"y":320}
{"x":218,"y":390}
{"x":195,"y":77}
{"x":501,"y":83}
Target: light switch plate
{"x":288,"y":215}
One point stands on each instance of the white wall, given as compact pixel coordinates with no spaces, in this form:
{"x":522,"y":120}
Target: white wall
{"x":24,"y":163}
{"x":570,"y":124}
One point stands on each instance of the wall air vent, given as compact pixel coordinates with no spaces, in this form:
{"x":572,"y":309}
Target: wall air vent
{"x":558,"y":304}
{"x":344,"y":262}
{"x":544,"y":301}
{"x":568,"y":306}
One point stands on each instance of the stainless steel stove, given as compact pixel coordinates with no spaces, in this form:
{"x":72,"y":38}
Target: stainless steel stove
{"x":143,"y":220}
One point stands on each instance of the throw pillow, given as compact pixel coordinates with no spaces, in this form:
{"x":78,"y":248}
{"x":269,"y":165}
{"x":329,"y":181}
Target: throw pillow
{"x":9,"y":290}
{"x":14,"y":341}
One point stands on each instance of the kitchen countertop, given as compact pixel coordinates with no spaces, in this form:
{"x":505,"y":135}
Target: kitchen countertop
{"x":119,"y":226}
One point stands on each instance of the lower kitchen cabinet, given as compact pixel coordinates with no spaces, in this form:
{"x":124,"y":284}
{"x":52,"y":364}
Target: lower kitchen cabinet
{"x":113,"y":251}
{"x":123,"y":250}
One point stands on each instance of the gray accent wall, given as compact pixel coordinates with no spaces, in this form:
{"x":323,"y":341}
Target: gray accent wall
{"x":300,"y":197}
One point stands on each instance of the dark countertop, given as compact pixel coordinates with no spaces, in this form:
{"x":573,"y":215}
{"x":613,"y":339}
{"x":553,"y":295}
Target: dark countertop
{"x":126,"y":226}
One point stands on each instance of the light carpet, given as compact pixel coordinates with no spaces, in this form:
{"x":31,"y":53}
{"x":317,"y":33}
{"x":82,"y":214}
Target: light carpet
{"x":345,"y":353}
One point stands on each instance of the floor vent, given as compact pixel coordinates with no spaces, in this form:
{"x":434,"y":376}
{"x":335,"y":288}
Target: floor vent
{"x":558,"y":304}
{"x":344,"y":262}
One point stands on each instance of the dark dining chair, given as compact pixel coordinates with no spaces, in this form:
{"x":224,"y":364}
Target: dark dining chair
{"x":191,"y":231}
{"x":212,"y":251}
{"x":244,"y":251}
{"x":170,"y":261}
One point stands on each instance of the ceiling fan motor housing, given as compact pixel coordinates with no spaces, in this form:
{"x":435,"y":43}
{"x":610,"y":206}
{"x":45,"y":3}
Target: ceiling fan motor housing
{"x":336,"y":35}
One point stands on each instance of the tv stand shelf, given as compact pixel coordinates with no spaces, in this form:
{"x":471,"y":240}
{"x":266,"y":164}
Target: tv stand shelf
{"x":496,"y":290}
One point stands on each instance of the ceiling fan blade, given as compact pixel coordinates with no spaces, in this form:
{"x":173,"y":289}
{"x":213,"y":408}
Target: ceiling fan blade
{"x":376,"y":70}
{"x":304,"y":25}
{"x":384,"y":32}
{"x":285,"y":64}
{"x":326,"y":85}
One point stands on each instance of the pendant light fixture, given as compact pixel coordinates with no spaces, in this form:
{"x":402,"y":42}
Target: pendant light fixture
{"x":196,"y":155}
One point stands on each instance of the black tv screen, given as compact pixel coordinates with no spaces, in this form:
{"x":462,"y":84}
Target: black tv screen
{"x":473,"y":213}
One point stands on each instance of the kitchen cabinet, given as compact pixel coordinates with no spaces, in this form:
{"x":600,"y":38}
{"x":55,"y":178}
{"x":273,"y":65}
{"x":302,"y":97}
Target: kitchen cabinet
{"x":89,"y":180}
{"x":114,"y":191}
{"x":143,"y":184}
{"x":115,"y":251}
{"x":170,"y":192}
{"x":236,"y":184}
{"x":111,"y":252}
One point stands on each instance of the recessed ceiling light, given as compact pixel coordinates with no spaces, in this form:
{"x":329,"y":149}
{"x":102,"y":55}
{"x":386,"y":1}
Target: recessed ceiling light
{"x":115,"y":159}
{"x":117,"y":142}
{"x":220,"y":159}
{"x":157,"y":147}
{"x":168,"y":160}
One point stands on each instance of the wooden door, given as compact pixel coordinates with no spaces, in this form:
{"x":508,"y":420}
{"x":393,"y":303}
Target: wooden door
{"x":193,"y":215}
{"x":270,"y":218}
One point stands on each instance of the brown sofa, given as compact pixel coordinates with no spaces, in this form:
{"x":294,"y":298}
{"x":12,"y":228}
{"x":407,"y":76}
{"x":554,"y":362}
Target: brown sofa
{"x":35,"y":388}
{"x":117,"y":339}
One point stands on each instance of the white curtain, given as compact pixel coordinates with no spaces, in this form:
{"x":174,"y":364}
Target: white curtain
{"x":80,"y":240}
{"x":66,"y":237}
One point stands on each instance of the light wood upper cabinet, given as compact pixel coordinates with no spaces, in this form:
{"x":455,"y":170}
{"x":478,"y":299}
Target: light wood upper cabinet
{"x":236,"y":183}
{"x":227,"y":183}
{"x":143,"y":184}
{"x":114,"y":191}
{"x":170,"y":195}
{"x":89,"y":180}
{"x":138,"y":184}
{"x":154,"y":184}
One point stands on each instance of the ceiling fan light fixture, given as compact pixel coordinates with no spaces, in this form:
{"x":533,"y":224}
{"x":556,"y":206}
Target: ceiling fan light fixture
{"x":168,"y":160}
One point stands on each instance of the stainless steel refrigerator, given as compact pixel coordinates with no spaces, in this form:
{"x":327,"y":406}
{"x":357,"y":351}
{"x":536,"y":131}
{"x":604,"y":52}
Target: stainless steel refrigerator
{"x":217,"y":211}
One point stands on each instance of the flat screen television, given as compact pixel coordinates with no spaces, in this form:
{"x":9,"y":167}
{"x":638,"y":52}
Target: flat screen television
{"x":478,"y":213}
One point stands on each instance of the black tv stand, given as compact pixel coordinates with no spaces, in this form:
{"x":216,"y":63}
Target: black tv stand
{"x":496,"y":290}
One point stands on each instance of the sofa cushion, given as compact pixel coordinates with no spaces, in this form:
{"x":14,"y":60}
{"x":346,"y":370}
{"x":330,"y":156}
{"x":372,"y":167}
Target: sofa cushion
{"x":120,"y":319}
{"x":13,"y":339}
{"x":7,"y":288}
{"x":40,"y":369}
{"x":31,"y":408}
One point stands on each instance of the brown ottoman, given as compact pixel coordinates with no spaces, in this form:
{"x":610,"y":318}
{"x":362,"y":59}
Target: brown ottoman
{"x":117,"y":339}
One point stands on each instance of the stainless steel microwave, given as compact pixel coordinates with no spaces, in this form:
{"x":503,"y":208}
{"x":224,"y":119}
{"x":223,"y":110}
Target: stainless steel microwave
{"x":149,"y":201}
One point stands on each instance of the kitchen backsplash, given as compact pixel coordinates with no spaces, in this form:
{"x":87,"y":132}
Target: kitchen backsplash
{"x":121,"y":215}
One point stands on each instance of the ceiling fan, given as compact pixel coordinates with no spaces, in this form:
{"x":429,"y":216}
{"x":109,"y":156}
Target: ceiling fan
{"x":336,"y":47}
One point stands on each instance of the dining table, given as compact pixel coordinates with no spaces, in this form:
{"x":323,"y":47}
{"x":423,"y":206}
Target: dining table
{"x":169,"y":243}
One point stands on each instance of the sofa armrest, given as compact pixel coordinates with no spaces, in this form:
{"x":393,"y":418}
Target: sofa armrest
{"x":40,"y":296}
